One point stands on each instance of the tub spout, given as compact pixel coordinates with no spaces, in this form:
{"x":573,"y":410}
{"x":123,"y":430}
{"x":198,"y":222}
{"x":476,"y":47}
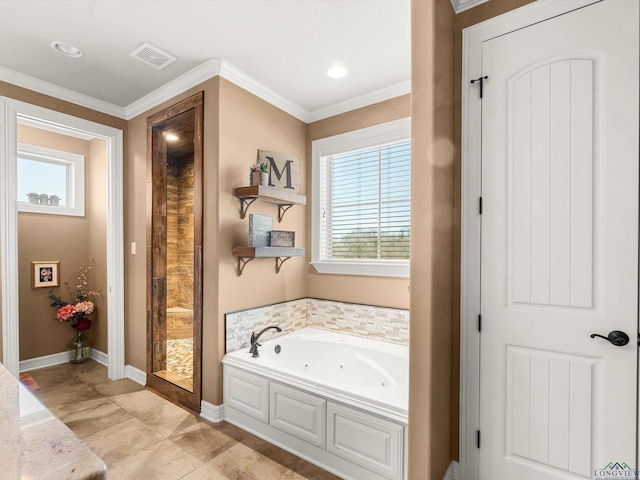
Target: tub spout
{"x":254,"y":340}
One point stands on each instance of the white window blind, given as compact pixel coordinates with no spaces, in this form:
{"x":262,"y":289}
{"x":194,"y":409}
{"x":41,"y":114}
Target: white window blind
{"x":362,"y":190}
{"x":369,"y":203}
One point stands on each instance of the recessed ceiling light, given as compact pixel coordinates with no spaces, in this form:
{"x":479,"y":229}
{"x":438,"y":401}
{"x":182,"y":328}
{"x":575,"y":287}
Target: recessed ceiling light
{"x":67,"y":49}
{"x":337,"y":71}
{"x":171,"y":137}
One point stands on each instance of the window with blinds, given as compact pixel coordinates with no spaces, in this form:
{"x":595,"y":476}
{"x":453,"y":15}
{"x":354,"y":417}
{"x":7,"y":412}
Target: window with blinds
{"x":368,"y":208}
{"x":364,"y":200}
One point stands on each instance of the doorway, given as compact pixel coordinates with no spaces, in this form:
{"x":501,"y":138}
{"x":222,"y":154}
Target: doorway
{"x":13,"y":112}
{"x":174,"y":252}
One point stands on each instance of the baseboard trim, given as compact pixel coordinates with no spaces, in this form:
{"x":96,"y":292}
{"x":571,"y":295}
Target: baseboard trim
{"x":100,"y":357}
{"x":135,"y":374}
{"x":453,"y":471}
{"x":58,"y":358}
{"x":211,"y":412}
{"x":44,"y":361}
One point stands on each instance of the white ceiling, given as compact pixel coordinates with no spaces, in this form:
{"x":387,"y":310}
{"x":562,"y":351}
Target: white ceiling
{"x":283,"y":48}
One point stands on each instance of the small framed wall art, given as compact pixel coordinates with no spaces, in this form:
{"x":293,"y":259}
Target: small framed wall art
{"x":280,"y":238}
{"x":45,"y":274}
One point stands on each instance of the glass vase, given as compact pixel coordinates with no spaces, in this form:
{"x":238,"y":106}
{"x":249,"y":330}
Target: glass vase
{"x":79,"y":348}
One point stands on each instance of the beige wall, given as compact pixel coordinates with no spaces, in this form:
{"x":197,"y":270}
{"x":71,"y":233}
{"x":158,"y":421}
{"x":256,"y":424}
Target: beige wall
{"x":435,"y":333}
{"x":432,"y":256}
{"x":22,"y":94}
{"x":246,"y":125}
{"x":236,"y":125}
{"x":381,"y":291}
{"x":72,"y":241}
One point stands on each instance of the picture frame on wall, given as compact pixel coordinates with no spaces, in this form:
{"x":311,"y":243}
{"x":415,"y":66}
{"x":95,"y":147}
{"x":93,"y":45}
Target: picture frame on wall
{"x":45,"y":274}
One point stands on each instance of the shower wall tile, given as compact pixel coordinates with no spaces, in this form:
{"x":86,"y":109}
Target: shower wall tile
{"x":180,"y":231}
{"x":377,"y":323}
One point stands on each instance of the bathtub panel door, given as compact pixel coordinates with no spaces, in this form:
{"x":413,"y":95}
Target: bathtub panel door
{"x":247,"y":393}
{"x":369,"y":441}
{"x":298,"y":413}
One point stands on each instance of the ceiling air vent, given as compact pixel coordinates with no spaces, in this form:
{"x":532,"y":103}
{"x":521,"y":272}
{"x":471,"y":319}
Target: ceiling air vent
{"x":153,"y":56}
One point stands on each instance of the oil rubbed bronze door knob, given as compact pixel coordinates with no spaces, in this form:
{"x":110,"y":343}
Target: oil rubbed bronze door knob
{"x":615,"y":337}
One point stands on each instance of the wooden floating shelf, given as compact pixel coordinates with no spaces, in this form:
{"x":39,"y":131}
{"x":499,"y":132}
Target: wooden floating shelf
{"x":282,"y":198}
{"x":281,"y":254}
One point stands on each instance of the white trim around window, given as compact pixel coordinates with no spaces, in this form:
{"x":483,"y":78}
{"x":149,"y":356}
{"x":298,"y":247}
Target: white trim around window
{"x":386,"y":133}
{"x":74,"y":194}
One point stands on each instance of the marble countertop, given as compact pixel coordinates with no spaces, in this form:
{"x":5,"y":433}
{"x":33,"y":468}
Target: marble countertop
{"x":36,"y":445}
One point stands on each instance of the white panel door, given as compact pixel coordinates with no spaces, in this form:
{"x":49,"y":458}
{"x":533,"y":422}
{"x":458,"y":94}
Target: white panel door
{"x":560,"y":246}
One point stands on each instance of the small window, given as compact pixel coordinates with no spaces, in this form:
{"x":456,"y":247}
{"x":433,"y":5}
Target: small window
{"x":50,"y":181}
{"x":362,"y":201}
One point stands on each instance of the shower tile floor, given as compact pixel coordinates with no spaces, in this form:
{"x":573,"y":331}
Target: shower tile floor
{"x":180,"y":358}
{"x":140,"y":435}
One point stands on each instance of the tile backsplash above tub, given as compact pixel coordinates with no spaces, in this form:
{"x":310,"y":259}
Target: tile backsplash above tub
{"x":377,"y":323}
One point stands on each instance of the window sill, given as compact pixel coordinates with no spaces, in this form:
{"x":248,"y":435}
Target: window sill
{"x":49,"y":209}
{"x":374,"y":269}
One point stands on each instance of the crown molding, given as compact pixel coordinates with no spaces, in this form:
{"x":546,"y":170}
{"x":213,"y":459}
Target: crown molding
{"x":462,"y":5}
{"x":187,"y":80}
{"x":47,"y":88}
{"x":194,"y":77}
{"x":205,"y":71}
{"x":360,"y":102}
{"x":241,"y":79}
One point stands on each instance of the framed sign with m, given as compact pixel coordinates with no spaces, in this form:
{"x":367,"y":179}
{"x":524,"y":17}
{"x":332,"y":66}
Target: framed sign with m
{"x":284,"y":170}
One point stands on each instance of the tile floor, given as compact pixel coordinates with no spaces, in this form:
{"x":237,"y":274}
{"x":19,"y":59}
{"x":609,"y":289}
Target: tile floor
{"x":140,"y":435}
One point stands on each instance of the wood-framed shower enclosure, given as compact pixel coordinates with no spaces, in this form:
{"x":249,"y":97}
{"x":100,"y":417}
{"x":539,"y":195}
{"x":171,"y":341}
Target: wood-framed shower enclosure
{"x":174,"y":278}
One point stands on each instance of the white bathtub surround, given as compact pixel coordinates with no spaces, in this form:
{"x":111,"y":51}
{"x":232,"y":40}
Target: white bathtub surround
{"x":336,"y":400}
{"x":367,"y":321}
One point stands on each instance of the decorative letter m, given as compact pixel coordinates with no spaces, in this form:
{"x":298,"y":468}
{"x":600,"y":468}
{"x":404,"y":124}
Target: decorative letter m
{"x":274,"y":171}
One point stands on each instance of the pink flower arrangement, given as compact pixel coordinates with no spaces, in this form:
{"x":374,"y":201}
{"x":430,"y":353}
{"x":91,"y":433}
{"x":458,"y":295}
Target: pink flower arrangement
{"x":85,"y":307}
{"x":76,"y":313}
{"x":66,"y":312}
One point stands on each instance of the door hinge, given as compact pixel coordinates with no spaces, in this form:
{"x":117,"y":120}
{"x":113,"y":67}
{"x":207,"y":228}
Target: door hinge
{"x":479,"y":323}
{"x":480,"y":81}
{"x":478,"y":438}
{"x":480,"y":205}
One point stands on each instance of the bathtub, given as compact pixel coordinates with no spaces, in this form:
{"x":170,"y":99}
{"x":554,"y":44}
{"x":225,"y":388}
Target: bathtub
{"x":364,"y":373}
{"x":327,"y":390}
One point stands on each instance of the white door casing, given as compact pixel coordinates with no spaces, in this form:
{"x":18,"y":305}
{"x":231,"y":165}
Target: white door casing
{"x":559,"y":248}
{"x":11,"y":111}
